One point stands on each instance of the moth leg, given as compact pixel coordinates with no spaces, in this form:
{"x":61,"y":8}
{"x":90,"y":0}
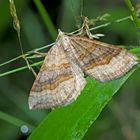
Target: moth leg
{"x":30,"y":67}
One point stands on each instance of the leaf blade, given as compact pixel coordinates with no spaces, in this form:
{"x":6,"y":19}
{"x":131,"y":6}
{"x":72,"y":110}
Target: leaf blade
{"x":65,"y":123}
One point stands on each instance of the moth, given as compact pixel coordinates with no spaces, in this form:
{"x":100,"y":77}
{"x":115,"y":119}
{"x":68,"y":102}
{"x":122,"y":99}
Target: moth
{"x":61,"y":77}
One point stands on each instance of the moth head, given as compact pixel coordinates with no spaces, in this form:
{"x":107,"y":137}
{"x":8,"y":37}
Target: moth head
{"x":63,"y":38}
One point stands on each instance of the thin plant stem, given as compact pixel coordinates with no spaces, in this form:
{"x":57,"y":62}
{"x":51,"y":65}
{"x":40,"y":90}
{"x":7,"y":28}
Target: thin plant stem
{"x":17,"y":27}
{"x":45,"y":16}
{"x":134,"y":14}
{"x":11,"y":60}
{"x":81,"y":7}
{"x":136,"y":50}
{"x":14,"y":121}
{"x":49,"y":45}
{"x":16,"y":22}
{"x":104,"y":25}
{"x":20,"y":69}
{"x":27,"y":54}
{"x":109,"y":23}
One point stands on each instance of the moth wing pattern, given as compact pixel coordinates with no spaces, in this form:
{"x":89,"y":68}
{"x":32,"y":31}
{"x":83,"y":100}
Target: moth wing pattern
{"x":58,"y":83}
{"x":100,"y":60}
{"x":61,"y":77}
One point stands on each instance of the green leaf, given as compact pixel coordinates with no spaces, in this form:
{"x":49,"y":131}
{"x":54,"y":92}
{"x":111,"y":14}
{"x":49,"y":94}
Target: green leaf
{"x":72,"y":122}
{"x":45,"y":16}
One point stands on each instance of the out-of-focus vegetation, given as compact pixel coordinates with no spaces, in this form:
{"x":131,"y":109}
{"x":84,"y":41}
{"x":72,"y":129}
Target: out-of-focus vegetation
{"x":121,"y":117}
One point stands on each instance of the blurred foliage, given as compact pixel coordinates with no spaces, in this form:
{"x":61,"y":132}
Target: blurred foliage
{"x":119,"y":120}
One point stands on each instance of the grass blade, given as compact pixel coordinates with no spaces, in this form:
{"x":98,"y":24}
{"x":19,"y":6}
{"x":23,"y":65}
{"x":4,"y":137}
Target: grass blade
{"x":72,"y":122}
{"x":44,"y":14}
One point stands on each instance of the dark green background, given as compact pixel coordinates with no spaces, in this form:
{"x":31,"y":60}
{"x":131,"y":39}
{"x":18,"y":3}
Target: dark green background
{"x":120,"y":119}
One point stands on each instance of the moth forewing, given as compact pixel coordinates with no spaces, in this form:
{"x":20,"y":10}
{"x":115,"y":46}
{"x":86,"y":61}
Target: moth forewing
{"x":59,"y":81}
